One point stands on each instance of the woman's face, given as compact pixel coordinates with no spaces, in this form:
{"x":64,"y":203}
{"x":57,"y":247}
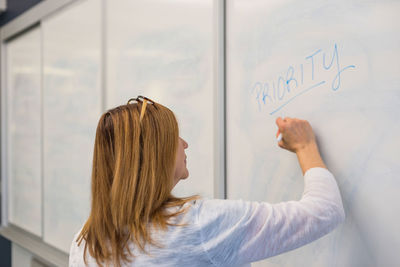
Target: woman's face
{"x":181,"y":172}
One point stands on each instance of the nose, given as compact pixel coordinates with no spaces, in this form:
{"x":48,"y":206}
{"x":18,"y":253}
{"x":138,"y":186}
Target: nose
{"x":185,"y":145}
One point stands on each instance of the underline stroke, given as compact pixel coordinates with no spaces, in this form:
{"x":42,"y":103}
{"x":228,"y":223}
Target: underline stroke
{"x":302,"y":92}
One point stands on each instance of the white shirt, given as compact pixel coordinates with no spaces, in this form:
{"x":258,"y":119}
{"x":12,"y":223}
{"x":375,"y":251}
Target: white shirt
{"x":236,"y":232}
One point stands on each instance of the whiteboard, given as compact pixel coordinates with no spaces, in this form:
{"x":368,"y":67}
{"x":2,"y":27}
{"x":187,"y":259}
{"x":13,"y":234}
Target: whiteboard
{"x":24,"y":132}
{"x":72,"y":107}
{"x":336,"y":64}
{"x":164,"y":50}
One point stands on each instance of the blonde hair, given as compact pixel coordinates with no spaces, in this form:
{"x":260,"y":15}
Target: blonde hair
{"x":132,"y":179}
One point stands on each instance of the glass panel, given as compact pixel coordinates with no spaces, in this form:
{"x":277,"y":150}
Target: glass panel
{"x":24,"y":130}
{"x":72,"y":106}
{"x":164,"y":50}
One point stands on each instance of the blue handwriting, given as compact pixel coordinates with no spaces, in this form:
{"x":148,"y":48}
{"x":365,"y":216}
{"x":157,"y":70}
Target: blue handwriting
{"x":294,"y":83}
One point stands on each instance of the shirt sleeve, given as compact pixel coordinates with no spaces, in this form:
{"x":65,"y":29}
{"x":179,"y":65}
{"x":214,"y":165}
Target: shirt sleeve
{"x":235,"y":232}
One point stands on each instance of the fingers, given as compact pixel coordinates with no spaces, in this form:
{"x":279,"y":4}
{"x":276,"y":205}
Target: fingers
{"x":294,"y":133}
{"x":279,"y":122}
{"x":282,"y":124}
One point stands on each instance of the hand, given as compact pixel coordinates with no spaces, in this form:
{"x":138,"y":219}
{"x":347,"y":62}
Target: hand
{"x":296,"y":134}
{"x":298,"y":137}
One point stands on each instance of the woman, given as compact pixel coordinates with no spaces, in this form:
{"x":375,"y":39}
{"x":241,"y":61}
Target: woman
{"x":135,"y":221}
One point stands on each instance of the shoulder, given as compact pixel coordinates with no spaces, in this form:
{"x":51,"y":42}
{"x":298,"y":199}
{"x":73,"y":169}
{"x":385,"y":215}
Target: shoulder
{"x":222,"y":210}
{"x":224,"y":225}
{"x":205,"y":211}
{"x":76,"y":253}
{"x":217,"y":203}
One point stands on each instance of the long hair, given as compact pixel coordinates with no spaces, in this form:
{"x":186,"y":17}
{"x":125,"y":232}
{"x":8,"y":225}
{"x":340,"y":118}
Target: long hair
{"x":132,"y":179}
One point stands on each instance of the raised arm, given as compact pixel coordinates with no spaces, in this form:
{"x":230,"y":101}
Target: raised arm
{"x":237,"y":232}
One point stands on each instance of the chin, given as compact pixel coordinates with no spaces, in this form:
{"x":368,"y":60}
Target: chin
{"x":185,"y":176}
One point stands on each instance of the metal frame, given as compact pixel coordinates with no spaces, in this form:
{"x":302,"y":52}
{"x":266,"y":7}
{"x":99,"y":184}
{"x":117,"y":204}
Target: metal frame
{"x":35,"y":16}
{"x":31,"y":17}
{"x":50,"y":255}
{"x":41,"y":131}
{"x":4,"y":147}
{"x":219,"y":99}
{"x":103,"y":56}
